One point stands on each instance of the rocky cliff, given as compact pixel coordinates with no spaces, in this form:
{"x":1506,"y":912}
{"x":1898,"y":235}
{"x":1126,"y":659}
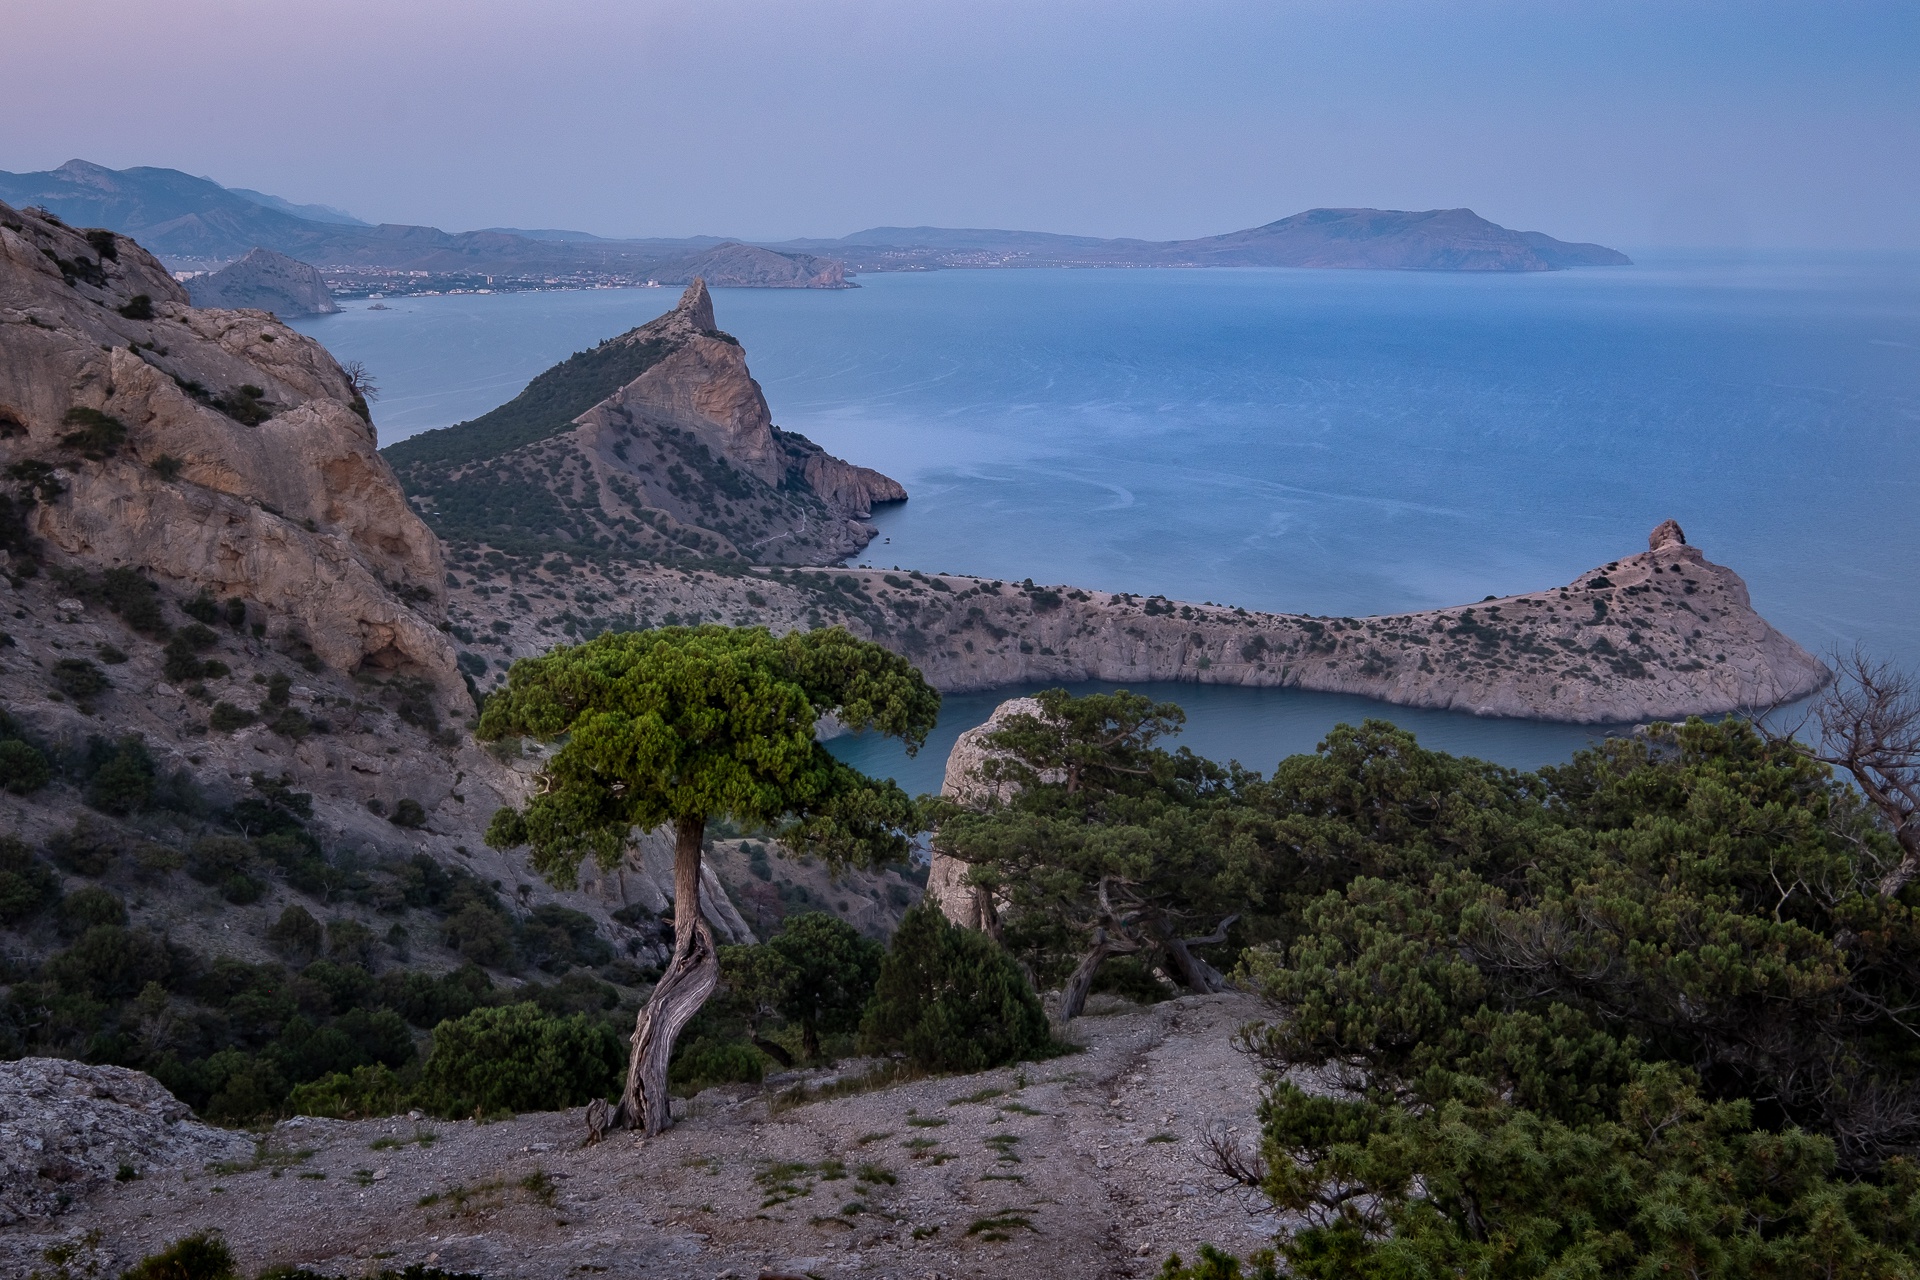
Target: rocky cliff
{"x":657,"y":444}
{"x":1661,"y":634}
{"x":218,"y":451}
{"x":265,"y":281}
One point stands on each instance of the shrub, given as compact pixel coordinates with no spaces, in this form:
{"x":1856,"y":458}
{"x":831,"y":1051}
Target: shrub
{"x":84,"y":908}
{"x":202,"y":608}
{"x":23,"y":769}
{"x":138,"y":307}
{"x":363,"y":1093}
{"x":225,"y":862}
{"x":110,"y":962}
{"x":831,"y":971}
{"x":182,"y":660}
{"x":518,"y":1059}
{"x":123,"y":775}
{"x":27,"y":885}
{"x":167,"y":467}
{"x":89,"y":849}
{"x":99,"y":435}
{"x":246,"y":404}
{"x":409,"y":813}
{"x":200,"y":1256}
{"x":296,"y":935}
{"x":79,"y":679}
{"x":226,"y":717}
{"x":702,"y":1062}
{"x":350,"y":942}
{"x":951,"y":999}
{"x":556,"y":938}
{"x":479,"y":934}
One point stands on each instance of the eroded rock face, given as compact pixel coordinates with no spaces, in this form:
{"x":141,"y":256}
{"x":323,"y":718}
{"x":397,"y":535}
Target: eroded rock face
{"x":67,"y":1128}
{"x":242,"y":463}
{"x":946,"y":877}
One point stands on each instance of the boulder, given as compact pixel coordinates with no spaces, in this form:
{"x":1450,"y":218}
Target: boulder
{"x":68,"y":1128}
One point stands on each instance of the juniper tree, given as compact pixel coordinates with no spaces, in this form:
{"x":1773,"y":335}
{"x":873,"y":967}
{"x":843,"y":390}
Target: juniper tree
{"x":685,"y":724}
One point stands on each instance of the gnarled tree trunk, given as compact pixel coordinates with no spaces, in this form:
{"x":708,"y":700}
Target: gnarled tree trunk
{"x":1199,"y":976}
{"x":690,"y":978}
{"x":1073,"y":996}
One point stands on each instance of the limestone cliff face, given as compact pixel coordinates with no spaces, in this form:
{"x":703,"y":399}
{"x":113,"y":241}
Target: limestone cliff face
{"x":671,"y":454}
{"x":213,"y":449}
{"x":265,"y":281}
{"x":946,"y":876}
{"x":1658,"y":635}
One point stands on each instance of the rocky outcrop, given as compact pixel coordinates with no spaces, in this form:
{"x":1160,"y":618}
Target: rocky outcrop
{"x":215,"y":450}
{"x":852,"y":490}
{"x":67,"y":1128}
{"x":946,"y":875}
{"x":265,"y":281}
{"x":1658,"y":635}
{"x":681,"y":458}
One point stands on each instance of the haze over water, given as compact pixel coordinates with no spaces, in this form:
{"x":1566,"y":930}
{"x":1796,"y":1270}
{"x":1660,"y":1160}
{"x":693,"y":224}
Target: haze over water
{"x":1328,"y":442}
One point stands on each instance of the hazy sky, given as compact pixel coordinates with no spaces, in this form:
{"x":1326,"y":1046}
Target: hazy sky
{"x":1629,"y":122}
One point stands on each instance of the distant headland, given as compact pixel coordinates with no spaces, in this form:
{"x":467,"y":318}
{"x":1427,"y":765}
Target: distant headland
{"x":195,"y":224}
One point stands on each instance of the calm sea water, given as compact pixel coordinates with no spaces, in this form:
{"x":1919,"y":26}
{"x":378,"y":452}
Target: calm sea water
{"x":1328,"y":442}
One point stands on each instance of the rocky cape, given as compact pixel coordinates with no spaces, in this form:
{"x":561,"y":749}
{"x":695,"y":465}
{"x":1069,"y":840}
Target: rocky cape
{"x":657,"y":444}
{"x":265,"y":281}
{"x":1661,"y":634}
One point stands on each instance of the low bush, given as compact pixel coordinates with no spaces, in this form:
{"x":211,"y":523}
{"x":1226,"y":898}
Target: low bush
{"x":360,"y":1094}
{"x":517,"y":1058}
{"x":84,"y":908}
{"x":27,"y":885}
{"x":951,"y":1000}
{"x":702,"y":1063}
{"x":121,"y":776}
{"x":296,"y":935}
{"x":79,"y":679}
{"x":23,"y":767}
{"x":90,"y":848}
{"x":200,"y":1256}
{"x":97,"y":436}
{"x":226,"y":717}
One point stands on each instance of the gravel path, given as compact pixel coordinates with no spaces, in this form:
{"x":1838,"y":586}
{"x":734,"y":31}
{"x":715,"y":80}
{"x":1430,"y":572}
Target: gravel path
{"x":1087,"y":1165}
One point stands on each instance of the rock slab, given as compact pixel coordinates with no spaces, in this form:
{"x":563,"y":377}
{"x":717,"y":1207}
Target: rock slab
{"x":68,"y":1128}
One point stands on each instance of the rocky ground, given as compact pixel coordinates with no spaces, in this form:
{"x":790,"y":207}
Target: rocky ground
{"x":1086,"y":1165}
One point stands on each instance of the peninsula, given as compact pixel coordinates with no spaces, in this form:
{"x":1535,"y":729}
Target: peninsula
{"x":673,"y":498}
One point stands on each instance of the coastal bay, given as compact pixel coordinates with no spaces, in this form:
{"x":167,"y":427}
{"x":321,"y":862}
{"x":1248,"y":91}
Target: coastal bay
{"x":1229,"y":436}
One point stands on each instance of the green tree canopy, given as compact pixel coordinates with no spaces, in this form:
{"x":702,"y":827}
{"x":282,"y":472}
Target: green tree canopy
{"x":695,"y":722}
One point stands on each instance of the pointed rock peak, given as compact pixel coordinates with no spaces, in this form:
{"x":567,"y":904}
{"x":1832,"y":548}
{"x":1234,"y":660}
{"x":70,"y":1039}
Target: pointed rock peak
{"x":698,"y":304}
{"x":1666,"y":534}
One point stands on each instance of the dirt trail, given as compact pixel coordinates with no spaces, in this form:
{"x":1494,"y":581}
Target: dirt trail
{"x":1084,"y":1166}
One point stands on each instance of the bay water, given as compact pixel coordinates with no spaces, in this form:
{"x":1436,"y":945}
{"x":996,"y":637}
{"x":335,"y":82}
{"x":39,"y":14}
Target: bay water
{"x":1327,"y":442}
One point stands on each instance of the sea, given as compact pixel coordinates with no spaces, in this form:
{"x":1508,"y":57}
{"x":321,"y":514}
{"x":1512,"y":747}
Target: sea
{"x":1341,"y":443}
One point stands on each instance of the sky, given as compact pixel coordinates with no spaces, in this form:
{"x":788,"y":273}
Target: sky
{"x":1750,"y":124}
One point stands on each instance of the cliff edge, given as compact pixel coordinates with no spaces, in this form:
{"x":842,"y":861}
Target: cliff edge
{"x":218,"y":451}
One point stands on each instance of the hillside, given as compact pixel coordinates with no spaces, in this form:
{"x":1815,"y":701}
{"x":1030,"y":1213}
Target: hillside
{"x":237,"y":779}
{"x":1434,"y":240}
{"x":656,"y":444}
{"x":196,"y":223}
{"x":265,"y":281}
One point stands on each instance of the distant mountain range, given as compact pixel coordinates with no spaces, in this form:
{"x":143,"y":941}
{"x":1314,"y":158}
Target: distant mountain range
{"x":197,"y":223}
